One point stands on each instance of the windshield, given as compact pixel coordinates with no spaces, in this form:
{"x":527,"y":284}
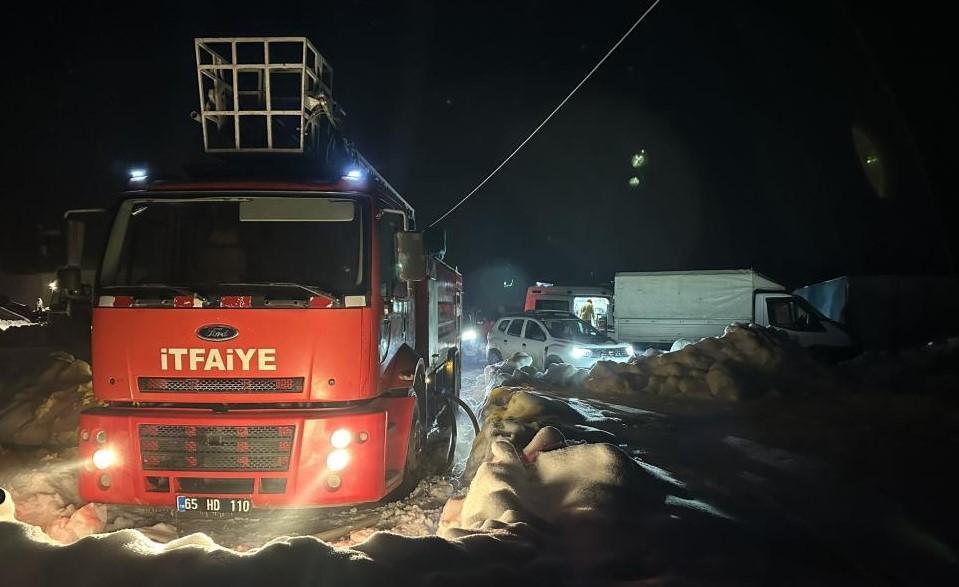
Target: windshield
{"x":203,"y":245}
{"x":577,"y":330}
{"x":553,"y":305}
{"x":809,"y":308}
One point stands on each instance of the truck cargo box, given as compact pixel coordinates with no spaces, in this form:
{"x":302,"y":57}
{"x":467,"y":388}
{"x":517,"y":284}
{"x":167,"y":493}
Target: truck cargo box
{"x":665,"y":306}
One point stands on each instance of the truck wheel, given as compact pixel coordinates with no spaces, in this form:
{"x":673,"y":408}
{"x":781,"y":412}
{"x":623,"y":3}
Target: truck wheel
{"x":493,"y":357}
{"x":413,"y":469}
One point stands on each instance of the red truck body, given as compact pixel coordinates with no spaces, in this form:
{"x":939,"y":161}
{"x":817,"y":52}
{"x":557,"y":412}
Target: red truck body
{"x":236,"y":394}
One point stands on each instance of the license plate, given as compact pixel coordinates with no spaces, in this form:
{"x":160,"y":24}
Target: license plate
{"x":223,"y":505}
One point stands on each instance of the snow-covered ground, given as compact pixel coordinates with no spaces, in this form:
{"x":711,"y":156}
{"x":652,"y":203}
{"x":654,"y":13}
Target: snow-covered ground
{"x":734,"y":460}
{"x":5,"y":324}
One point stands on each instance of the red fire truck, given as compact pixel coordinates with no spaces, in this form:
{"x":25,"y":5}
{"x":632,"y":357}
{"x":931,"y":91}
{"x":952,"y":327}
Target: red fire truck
{"x":265,"y":338}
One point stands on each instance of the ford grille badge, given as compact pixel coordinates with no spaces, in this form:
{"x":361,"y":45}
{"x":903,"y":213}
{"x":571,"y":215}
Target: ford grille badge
{"x":216,"y":332}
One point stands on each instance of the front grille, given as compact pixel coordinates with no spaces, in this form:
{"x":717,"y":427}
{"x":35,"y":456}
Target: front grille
{"x":617,"y":352}
{"x":220,"y":385}
{"x":165,"y":447}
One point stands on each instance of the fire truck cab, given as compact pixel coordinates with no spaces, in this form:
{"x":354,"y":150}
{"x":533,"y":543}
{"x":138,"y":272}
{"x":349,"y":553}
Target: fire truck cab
{"x":264,"y":338}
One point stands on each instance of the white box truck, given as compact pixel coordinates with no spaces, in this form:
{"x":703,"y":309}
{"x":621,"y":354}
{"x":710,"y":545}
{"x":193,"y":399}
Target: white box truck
{"x":658,"y":308}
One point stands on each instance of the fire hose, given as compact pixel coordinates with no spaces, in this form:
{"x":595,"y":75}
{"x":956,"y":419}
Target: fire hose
{"x":452,"y":402}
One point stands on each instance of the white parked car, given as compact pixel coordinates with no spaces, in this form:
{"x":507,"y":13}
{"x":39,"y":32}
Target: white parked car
{"x":552,"y":337}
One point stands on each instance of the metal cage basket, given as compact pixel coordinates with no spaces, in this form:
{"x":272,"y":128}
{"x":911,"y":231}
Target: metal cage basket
{"x":262,"y":94}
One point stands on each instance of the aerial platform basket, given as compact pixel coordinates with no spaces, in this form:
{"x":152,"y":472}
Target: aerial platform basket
{"x":262,"y":94}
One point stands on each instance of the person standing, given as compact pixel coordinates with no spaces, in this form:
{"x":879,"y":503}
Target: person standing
{"x":586,"y":313}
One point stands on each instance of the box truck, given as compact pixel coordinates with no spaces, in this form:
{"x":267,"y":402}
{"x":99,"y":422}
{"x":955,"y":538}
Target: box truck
{"x":658,"y":308}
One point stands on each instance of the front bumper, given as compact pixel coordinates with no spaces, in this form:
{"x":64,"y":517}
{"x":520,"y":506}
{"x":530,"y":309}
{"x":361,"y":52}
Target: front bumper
{"x":277,"y":458}
{"x":588,"y":362}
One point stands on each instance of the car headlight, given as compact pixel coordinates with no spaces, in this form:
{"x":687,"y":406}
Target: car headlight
{"x":630,"y":351}
{"x":580,"y":353}
{"x":469,"y":334}
{"x":104,"y":458}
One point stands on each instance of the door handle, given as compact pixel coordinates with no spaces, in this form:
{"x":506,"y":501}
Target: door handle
{"x":524,"y":345}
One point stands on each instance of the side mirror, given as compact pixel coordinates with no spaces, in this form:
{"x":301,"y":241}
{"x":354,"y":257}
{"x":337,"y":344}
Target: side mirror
{"x":77,"y":233}
{"x":410,"y":256}
{"x":68,"y":279}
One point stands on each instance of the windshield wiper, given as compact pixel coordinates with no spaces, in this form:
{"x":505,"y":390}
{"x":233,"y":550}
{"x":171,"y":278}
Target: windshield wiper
{"x":307,"y":288}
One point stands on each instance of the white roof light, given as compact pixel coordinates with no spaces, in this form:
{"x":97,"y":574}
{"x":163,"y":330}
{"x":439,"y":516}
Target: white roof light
{"x":354,"y":174}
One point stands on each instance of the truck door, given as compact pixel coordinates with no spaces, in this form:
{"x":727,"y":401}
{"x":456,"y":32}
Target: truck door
{"x":395,"y":328}
{"x":795,"y":317}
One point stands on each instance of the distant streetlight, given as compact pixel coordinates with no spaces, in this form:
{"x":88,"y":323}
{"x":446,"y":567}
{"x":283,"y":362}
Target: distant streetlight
{"x":634,"y":182}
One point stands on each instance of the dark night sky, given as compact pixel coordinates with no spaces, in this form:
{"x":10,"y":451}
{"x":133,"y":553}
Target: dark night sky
{"x":745,"y":110}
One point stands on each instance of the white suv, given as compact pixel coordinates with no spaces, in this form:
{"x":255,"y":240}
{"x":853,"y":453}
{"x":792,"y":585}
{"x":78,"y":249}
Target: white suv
{"x":552,"y":337}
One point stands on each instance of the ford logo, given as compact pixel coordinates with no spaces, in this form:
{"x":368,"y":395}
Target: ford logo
{"x":216,"y":332}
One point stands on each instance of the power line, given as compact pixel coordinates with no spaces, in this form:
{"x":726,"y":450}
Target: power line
{"x":555,"y":110}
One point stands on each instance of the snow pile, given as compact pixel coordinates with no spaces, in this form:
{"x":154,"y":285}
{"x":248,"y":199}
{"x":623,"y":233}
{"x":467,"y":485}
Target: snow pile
{"x":748,"y":361}
{"x":43,"y":408}
{"x":518,"y":370}
{"x":504,"y":548}
{"x":516,"y":414}
{"x":5,"y":324}
{"x":417,"y":515}
{"x":41,"y":397}
{"x":548,"y":513}
{"x":44,"y":486}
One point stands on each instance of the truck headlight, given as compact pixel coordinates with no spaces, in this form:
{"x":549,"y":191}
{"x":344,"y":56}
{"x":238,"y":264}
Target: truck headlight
{"x":580,"y":353}
{"x":338,"y":460}
{"x":341,"y":438}
{"x":104,"y":458}
{"x":469,"y":334}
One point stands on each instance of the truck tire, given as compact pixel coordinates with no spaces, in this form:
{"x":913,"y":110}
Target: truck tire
{"x":493,"y":357}
{"x":413,"y":468}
